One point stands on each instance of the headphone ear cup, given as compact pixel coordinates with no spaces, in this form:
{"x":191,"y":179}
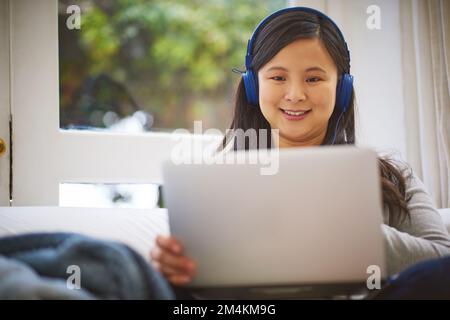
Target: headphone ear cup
{"x":251,"y":87}
{"x":344,"y":92}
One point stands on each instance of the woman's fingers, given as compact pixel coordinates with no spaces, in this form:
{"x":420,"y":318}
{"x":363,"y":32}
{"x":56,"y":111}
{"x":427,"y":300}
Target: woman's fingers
{"x":166,"y":270}
{"x":174,"y":276}
{"x":174,"y":261}
{"x":179,"y":279}
{"x":169,"y":243}
{"x":167,"y":257}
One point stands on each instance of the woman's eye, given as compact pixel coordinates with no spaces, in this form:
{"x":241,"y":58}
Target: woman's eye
{"x":277,"y":78}
{"x":313,"y":79}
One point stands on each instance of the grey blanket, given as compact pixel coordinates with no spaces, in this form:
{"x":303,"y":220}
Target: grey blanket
{"x":44,"y":266}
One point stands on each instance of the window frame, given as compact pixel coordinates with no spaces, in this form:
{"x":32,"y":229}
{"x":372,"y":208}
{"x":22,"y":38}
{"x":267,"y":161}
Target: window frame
{"x":45,"y":155}
{"x":5,"y":111}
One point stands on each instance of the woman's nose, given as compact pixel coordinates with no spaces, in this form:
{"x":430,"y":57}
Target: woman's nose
{"x":295,"y":93}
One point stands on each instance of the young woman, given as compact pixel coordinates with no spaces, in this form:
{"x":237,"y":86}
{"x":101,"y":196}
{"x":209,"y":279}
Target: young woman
{"x":298,"y":81}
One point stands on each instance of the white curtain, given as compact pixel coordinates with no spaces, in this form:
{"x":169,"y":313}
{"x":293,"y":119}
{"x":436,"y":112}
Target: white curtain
{"x":426,"y":73}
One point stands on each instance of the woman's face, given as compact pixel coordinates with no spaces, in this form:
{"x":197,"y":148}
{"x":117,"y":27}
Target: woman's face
{"x":301,"y":77}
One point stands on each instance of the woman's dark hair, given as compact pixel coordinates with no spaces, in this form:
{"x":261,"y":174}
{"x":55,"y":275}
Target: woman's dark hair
{"x":275,"y":35}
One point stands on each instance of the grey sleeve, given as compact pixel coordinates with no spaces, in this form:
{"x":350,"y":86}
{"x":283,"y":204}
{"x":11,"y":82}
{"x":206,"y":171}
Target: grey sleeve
{"x":422,"y":237}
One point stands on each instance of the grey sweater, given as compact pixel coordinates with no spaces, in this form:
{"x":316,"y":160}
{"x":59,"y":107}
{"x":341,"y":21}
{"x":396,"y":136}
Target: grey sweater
{"x":422,"y":237}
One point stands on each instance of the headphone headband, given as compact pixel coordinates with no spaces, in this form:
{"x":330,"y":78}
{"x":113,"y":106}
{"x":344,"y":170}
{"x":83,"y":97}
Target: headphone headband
{"x":249,"y":55}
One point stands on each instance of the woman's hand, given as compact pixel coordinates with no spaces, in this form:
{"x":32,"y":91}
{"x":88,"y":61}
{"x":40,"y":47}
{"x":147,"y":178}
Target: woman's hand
{"x":168,"y":257}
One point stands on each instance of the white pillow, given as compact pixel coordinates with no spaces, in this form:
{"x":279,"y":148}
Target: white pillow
{"x":134,"y":227}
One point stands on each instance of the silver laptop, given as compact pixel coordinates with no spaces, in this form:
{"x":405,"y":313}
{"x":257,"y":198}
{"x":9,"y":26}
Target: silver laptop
{"x":301,"y":222}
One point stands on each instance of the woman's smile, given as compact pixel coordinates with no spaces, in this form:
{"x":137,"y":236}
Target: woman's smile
{"x":295,"y":115}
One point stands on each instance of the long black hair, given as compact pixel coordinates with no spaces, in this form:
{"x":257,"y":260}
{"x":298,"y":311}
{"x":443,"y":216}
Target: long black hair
{"x":274,"y":36}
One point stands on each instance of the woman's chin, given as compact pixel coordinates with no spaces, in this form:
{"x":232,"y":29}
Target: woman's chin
{"x":296,"y":138}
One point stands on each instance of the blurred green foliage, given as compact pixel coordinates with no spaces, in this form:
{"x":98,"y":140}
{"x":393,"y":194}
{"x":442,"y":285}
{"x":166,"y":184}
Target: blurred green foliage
{"x":174,"y":57}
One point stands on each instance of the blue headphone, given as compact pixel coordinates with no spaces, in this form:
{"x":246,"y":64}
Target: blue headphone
{"x":344,"y":86}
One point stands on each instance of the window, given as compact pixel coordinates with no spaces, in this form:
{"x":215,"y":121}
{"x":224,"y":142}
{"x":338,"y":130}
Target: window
{"x":148,"y":66}
{"x":153,"y":65}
